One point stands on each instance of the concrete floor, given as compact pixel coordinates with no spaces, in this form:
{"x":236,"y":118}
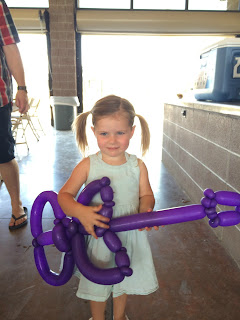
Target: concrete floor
{"x":198,"y":280}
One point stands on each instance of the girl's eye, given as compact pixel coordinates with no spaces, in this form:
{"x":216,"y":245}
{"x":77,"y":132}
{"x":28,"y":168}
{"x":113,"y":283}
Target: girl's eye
{"x":120,"y":133}
{"x":103,"y":133}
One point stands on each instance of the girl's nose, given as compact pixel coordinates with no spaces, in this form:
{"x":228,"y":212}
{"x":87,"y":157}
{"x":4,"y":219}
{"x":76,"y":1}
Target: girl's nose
{"x":112,"y":139}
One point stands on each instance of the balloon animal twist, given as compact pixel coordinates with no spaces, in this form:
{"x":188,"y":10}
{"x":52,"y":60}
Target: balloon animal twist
{"x":68,"y":234}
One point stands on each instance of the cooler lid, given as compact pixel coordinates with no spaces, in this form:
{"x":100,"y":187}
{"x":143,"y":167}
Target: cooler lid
{"x":228,"y":42}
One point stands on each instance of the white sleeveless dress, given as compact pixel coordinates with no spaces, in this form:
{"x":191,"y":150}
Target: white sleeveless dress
{"x":125,"y":184}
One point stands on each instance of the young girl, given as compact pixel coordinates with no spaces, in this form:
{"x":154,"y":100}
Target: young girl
{"x":112,"y":119}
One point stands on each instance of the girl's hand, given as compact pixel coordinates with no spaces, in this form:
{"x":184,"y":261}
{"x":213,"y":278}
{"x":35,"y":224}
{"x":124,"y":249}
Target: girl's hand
{"x":147,"y":228}
{"x":90,"y":218}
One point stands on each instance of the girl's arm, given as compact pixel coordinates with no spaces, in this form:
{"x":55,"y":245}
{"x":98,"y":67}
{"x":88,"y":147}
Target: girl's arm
{"x":146,"y":197}
{"x":87,"y":215}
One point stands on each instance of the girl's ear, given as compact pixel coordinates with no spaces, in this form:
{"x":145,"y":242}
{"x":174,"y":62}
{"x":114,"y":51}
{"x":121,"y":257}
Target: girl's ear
{"x":93,"y":129}
{"x":133,"y":129}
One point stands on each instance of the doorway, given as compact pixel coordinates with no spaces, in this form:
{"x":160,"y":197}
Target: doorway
{"x":33,"y":49}
{"x":146,"y":70}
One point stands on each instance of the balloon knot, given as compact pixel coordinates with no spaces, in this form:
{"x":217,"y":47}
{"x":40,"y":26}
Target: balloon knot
{"x":126,"y":271}
{"x":105,"y":181}
{"x":214,"y":223}
{"x":209,"y":193}
{"x":56,"y":221}
{"x":35,"y":243}
{"x":109,"y":204}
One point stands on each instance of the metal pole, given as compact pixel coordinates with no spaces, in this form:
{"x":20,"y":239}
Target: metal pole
{"x":79,"y":70}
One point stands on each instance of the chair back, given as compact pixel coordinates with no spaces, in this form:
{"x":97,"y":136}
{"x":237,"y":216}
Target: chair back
{"x":33,"y":107}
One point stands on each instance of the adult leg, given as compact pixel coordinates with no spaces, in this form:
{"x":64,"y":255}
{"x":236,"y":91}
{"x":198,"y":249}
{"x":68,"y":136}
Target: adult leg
{"x":10,"y":175}
{"x":119,"y":306}
{"x":98,"y":310}
{"x":8,"y":165}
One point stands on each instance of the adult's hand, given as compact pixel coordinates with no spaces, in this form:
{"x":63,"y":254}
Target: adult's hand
{"x":22,"y":101}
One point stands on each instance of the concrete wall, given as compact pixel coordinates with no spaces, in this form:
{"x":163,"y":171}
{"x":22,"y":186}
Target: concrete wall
{"x":202,"y":150}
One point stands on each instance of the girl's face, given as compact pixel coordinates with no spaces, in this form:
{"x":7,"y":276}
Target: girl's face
{"x":113,"y":135}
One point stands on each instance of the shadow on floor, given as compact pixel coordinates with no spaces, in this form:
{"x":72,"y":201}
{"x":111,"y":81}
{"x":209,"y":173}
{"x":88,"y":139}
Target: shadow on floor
{"x":198,"y":280}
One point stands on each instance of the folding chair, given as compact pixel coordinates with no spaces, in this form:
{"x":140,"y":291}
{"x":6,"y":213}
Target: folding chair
{"x":22,"y":121}
{"x":33,"y":113}
{"x":18,"y":130}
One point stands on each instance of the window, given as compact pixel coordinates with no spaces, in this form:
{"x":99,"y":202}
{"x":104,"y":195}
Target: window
{"x":159,"y":5}
{"x":205,"y":5}
{"x":27,"y":3}
{"x":215,"y":5}
{"x":104,"y":4}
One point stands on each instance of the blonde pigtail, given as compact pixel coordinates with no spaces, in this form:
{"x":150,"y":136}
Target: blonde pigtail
{"x":79,"y":127}
{"x":145,"y":135}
